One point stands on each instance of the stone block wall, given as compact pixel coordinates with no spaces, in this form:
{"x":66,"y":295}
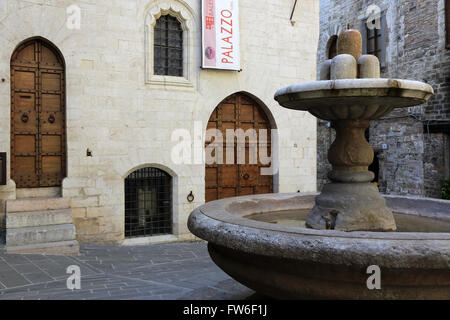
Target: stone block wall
{"x":436,"y":162}
{"x":401,"y":164}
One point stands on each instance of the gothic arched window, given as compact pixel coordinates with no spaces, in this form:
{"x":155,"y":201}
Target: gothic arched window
{"x":168,"y":47}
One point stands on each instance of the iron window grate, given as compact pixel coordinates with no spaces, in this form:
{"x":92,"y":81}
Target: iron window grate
{"x":148,"y":203}
{"x":168,"y":47}
{"x":374,"y":42}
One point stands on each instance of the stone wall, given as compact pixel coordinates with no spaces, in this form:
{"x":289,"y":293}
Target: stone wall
{"x":436,"y":162}
{"x":415,"y":49}
{"x":401,"y":164}
{"x":127,"y":121}
{"x":325,"y":137}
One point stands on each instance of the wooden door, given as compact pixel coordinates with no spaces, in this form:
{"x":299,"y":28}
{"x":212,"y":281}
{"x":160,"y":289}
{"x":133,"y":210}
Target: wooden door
{"x":228,"y":180}
{"x":38,"y":149}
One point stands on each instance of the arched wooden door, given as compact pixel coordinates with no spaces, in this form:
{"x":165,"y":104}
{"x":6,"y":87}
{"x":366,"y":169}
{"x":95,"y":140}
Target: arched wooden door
{"x":238,"y":111}
{"x":38,"y":142}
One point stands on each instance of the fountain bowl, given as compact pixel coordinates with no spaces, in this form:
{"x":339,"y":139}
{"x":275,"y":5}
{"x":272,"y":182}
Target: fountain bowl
{"x":353,"y":99}
{"x":286,"y":262}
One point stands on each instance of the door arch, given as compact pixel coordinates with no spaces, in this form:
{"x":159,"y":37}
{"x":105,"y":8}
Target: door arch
{"x":332,"y":47}
{"x":239,"y":111}
{"x":38,"y":129}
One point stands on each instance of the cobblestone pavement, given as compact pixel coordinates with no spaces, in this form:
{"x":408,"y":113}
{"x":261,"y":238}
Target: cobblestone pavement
{"x":167,"y":271}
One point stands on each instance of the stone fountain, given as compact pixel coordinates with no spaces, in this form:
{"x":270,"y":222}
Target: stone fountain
{"x":350,"y":95}
{"x":264,"y":241}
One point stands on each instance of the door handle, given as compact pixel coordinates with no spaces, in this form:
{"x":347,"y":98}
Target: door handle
{"x":25,"y":118}
{"x":51,"y":119}
{"x":246,"y":176}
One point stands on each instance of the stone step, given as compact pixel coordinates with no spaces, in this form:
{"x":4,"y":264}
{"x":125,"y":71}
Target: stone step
{"x":51,"y":248}
{"x":37,"y":204}
{"x":42,"y":234}
{"x":16,"y":220}
{"x":22,"y":193}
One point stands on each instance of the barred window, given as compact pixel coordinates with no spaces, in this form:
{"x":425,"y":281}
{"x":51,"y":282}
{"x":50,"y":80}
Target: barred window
{"x":374,"y":42}
{"x":374,"y":38}
{"x":168,"y":47}
{"x":148,"y":203}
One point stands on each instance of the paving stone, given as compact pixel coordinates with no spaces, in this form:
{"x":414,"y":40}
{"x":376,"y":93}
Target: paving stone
{"x":26,"y":268}
{"x":4,"y":266}
{"x":14,"y":259}
{"x":12,"y":279}
{"x":36,"y":257}
{"x":121,"y":273}
{"x":37,"y":277}
{"x":56,"y":272}
{"x":12,"y":298}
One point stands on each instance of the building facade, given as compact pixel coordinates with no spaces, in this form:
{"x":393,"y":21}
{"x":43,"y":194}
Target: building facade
{"x":94,"y":110}
{"x":410,"y":39}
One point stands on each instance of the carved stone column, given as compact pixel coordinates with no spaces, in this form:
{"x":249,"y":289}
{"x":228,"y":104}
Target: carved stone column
{"x":350,"y":154}
{"x":351,"y":202}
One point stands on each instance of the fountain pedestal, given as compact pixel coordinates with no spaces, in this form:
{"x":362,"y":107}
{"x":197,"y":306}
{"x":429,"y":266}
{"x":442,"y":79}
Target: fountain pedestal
{"x":351,"y":202}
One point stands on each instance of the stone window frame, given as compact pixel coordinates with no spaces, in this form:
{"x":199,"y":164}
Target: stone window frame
{"x":186,"y":18}
{"x":332,"y":31}
{"x":170,"y":49}
{"x":383,"y":37}
{"x":447,"y":24}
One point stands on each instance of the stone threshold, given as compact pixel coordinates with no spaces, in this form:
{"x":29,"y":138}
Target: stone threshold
{"x":141,"y":241}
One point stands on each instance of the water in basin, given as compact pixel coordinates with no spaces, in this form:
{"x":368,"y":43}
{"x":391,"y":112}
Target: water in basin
{"x":405,"y":222}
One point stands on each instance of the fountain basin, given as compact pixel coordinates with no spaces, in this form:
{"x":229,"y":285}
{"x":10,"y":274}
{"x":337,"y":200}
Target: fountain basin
{"x":353,"y":99}
{"x":350,"y":202}
{"x":297,"y":263}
